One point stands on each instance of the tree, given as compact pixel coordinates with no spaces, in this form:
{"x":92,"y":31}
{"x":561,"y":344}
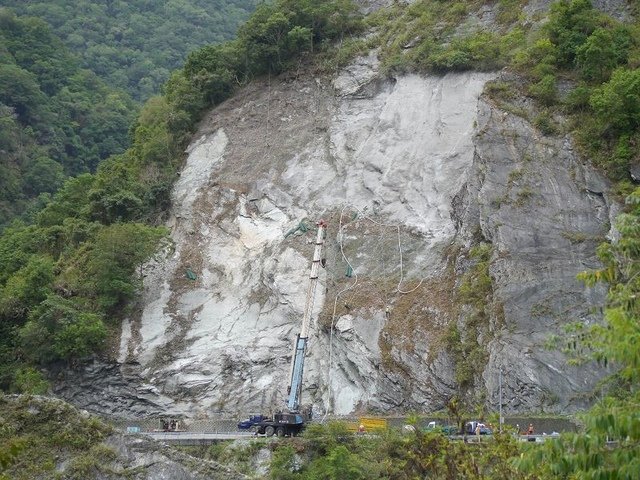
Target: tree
{"x":19,"y":89}
{"x":339,"y":464}
{"x":617,"y":103}
{"x":60,"y":328}
{"x":602,"y":51}
{"x":43,"y":175}
{"x":38,"y":77}
{"x":283,"y":464}
{"x":135,"y":45}
{"x":71,"y":201}
{"x":25,"y":288}
{"x":80,"y":336}
{"x":570,"y":24}
{"x":110,"y":265}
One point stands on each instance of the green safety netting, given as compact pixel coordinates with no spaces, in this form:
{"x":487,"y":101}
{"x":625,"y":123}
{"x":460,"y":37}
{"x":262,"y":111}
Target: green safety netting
{"x":302,"y":228}
{"x":190,"y":275}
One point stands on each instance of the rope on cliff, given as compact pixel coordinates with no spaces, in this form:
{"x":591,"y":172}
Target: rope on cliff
{"x":362,"y":215}
{"x":333,"y":316}
{"x":266,"y":133}
{"x":358,"y":214}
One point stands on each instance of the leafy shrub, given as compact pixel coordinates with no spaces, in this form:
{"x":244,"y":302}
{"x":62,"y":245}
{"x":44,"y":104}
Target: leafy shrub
{"x":545,"y":90}
{"x":480,"y":51}
{"x":578,"y":98}
{"x":31,"y":381}
{"x":509,"y":11}
{"x":283,"y":464}
{"x":570,"y":24}
{"x":538,"y":59}
{"x":602,"y":52}
{"x":616,"y":104}
{"x":60,"y":329}
{"x":544,"y":122}
{"x":26,"y":287}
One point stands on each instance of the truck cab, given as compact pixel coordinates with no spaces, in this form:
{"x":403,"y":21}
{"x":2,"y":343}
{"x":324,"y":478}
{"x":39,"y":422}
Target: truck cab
{"x":247,"y":423}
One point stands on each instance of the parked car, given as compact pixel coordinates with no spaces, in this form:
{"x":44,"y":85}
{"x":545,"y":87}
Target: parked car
{"x":484,"y":430}
{"x":445,"y":429}
{"x":470,"y":428}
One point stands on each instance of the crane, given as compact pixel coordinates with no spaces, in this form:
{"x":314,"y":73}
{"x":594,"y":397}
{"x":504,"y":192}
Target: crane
{"x":300,"y":345}
{"x":292,"y":422}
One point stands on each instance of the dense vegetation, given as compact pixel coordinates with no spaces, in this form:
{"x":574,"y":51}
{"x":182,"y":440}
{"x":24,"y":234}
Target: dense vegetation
{"x":597,"y":57}
{"x":332,"y":452}
{"x":40,"y":437}
{"x":67,"y":277}
{"x":135,"y":44}
{"x":56,"y":119}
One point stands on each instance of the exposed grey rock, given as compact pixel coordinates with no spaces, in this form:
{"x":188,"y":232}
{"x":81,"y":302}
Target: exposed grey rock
{"x":407,"y":172}
{"x":544,"y":212}
{"x":113,"y":389}
{"x":619,"y":9}
{"x":139,"y":458}
{"x":368,"y":6}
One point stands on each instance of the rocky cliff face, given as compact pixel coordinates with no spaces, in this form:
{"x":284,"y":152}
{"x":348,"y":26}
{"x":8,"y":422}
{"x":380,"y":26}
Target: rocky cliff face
{"x":410,"y":173}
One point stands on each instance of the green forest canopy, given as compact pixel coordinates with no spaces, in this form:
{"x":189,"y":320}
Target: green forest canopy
{"x":67,"y":276}
{"x":135,"y":44}
{"x":56,"y":118}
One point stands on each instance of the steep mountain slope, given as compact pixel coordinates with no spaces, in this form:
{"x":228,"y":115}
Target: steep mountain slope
{"x":433,"y":184}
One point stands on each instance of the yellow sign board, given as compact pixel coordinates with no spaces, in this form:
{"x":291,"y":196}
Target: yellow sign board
{"x":372,"y":423}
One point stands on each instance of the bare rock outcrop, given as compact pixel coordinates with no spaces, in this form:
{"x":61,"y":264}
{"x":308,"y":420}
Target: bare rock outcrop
{"x":410,"y":173}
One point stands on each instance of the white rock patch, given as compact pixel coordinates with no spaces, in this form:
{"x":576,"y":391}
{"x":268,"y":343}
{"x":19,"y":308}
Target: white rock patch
{"x":224,"y":341}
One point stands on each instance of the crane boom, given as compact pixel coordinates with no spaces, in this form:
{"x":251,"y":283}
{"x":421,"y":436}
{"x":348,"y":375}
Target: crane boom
{"x":300,"y":344}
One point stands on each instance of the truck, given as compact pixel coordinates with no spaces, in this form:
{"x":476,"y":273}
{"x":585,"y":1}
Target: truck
{"x":292,"y":421}
{"x":282,"y":424}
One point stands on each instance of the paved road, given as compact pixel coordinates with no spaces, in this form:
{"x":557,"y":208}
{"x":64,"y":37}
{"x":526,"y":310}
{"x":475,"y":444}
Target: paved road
{"x":196,"y":438}
{"x":202,"y":438}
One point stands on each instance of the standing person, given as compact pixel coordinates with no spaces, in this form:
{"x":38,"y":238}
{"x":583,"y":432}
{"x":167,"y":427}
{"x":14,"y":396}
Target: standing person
{"x":530,"y":429}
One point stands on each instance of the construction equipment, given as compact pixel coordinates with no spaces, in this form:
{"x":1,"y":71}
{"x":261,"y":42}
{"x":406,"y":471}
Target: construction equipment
{"x":292,"y":422}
